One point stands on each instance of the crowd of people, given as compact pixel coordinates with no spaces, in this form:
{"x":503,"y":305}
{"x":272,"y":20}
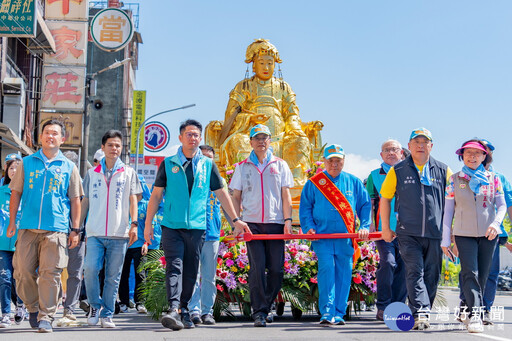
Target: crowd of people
{"x":98,"y":226}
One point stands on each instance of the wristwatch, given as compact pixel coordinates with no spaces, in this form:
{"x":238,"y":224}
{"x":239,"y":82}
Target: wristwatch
{"x":77,"y":231}
{"x":236,"y":219}
{"x":290,"y":219}
{"x":136,"y":223}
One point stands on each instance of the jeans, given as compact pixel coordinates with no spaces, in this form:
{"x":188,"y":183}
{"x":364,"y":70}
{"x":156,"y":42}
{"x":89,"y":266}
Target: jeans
{"x":492,"y":280}
{"x":390,"y":275}
{"x":6,"y":280}
{"x":264,"y":255}
{"x":112,"y":251}
{"x":124,"y":287}
{"x":475,"y":255}
{"x":182,"y":250}
{"x":205,"y":289}
{"x":423,"y":267}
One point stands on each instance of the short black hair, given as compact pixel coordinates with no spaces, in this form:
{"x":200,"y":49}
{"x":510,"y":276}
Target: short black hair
{"x":190,"y":122}
{"x":112,"y":133}
{"x":7,"y":179}
{"x":207,"y":147}
{"x":406,"y":152}
{"x":488,"y":158}
{"x":55,"y":122}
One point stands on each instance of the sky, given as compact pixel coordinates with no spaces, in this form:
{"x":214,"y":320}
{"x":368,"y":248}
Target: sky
{"x":369,"y":70}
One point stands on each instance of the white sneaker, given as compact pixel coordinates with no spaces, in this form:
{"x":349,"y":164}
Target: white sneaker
{"x":106,"y":322}
{"x":123,"y":308}
{"x":475,"y":325}
{"x":93,"y":317}
{"x":141,"y":309}
{"x":5,"y":322}
{"x":21,"y":314}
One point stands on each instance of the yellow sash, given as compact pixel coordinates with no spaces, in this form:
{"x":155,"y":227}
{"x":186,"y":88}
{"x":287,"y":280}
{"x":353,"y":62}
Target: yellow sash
{"x":338,"y":200}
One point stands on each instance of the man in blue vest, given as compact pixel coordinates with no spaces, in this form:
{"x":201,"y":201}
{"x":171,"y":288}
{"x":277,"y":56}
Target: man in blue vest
{"x":418,"y":184}
{"x":391,"y":271}
{"x":49,"y":188}
{"x":187,"y":179}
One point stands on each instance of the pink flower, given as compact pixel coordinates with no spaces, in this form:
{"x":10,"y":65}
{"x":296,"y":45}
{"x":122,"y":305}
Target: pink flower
{"x":162,"y":261}
{"x":228,"y":255}
{"x":219,"y":287}
{"x":313,"y":280}
{"x":242,"y":280}
{"x":230,"y":172}
{"x":357,"y":279}
{"x":229,"y":263}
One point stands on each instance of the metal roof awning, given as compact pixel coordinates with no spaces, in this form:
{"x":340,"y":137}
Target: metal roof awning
{"x":43,"y":42}
{"x":10,"y":139}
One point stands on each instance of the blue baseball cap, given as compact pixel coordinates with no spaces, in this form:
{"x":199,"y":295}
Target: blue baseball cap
{"x":12,"y":157}
{"x":259,"y":129}
{"x":334,"y":150}
{"x":488,"y":144}
{"x":421,"y":132}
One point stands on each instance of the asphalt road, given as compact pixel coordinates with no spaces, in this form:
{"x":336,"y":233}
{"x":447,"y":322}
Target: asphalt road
{"x":133,"y":326}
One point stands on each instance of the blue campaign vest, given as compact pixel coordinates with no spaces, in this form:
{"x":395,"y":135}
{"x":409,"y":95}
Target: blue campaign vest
{"x":181,"y":210}
{"x":45,"y":204}
{"x":6,"y":244}
{"x":378,"y":180}
{"x":420,"y":207}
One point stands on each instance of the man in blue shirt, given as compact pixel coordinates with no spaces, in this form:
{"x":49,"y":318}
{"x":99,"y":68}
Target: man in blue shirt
{"x":329,"y":205}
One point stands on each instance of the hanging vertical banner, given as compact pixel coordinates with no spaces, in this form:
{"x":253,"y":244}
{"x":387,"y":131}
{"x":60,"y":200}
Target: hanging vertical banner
{"x":18,"y":18}
{"x":138,"y":117}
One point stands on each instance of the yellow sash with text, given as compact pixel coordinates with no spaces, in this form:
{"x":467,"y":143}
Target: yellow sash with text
{"x":338,"y":200}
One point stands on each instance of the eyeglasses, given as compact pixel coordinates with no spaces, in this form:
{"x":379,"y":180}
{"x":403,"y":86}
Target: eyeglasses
{"x":192,"y":135}
{"x":262,"y":139}
{"x":391,"y":150}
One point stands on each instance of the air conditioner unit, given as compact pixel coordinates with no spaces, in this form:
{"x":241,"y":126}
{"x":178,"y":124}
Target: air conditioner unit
{"x":12,"y":86}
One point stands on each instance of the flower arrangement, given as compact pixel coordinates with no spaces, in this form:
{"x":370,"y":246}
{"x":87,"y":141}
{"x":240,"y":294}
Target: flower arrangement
{"x":316,"y":167}
{"x":228,"y":171}
{"x":364,"y":279}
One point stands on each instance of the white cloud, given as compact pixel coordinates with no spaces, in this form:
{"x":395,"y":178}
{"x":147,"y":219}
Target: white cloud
{"x":360,"y":166}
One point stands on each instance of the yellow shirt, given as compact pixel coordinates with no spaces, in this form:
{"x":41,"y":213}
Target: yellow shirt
{"x":388,"y":188}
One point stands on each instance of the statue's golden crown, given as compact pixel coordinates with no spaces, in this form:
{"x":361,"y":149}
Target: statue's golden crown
{"x":261,"y":47}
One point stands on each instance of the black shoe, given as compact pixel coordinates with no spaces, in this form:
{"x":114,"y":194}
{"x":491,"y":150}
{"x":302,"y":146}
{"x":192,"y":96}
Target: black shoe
{"x":259,"y":320}
{"x":32,"y":320}
{"x":172,"y":320}
{"x":84,"y":305}
{"x":270,"y":317}
{"x":187,"y":322}
{"x":208,"y":320}
{"x":196,"y":319}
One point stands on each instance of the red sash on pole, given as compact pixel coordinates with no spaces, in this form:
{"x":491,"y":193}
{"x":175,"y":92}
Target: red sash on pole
{"x":338,"y":200}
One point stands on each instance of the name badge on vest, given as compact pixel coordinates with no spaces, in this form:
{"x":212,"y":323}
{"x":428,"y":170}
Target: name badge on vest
{"x":462,"y":186}
{"x":175,"y":169}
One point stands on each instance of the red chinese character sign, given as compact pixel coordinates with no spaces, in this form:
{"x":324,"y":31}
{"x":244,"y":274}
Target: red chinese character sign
{"x":67,"y":9}
{"x":70,"y":43}
{"x":63,"y":88}
{"x":111,"y":29}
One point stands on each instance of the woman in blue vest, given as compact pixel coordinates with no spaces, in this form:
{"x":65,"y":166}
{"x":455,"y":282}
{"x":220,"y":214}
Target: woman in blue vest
{"x":474,"y":209}
{"x":7,"y":244}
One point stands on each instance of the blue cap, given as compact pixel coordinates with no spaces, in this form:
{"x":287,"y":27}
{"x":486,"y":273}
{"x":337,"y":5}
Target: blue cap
{"x":12,"y":157}
{"x":421,"y":132}
{"x":259,"y":129}
{"x":488,"y":144}
{"x":334,"y":150}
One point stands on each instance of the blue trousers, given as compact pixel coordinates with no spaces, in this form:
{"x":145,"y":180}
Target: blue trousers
{"x":492,"y":280}
{"x":423,"y":267}
{"x":205,"y":290}
{"x":390,"y":275}
{"x":334,"y":275}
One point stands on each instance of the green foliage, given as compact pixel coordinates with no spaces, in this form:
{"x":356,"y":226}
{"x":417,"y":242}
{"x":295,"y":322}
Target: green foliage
{"x":153,"y":288}
{"x":450,"y":273}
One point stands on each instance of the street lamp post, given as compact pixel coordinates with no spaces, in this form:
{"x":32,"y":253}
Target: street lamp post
{"x":90,"y":79}
{"x":142,"y":125}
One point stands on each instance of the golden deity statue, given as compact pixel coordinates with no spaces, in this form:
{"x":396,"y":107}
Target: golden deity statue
{"x":268,"y":100}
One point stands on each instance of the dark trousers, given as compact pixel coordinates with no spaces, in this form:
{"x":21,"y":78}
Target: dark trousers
{"x":182,"y":250}
{"x":422,"y":260}
{"x":390,"y":275}
{"x":134,"y":255}
{"x":475,"y":255}
{"x":265,"y":255}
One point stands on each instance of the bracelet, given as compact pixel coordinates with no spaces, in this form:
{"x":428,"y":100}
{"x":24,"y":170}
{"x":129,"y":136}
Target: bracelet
{"x":146,"y":243}
{"x":136,"y":223}
{"x":290,"y":219}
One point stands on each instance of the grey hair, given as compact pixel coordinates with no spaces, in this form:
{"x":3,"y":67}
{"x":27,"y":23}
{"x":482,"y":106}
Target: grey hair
{"x":391,"y":140}
{"x":72,"y":156}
